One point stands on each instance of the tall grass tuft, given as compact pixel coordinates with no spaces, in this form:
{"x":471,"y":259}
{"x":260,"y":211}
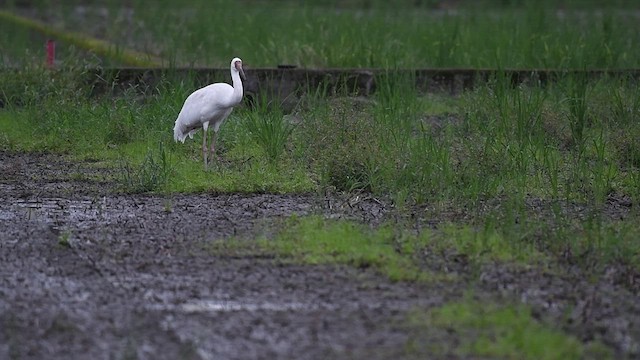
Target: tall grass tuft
{"x":603,"y":170}
{"x":151,"y":175}
{"x":577,"y":100}
{"x":414,"y":161}
{"x":335,"y":140}
{"x":269,"y":128}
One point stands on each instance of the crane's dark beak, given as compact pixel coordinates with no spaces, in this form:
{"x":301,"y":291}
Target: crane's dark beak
{"x":239,"y":68}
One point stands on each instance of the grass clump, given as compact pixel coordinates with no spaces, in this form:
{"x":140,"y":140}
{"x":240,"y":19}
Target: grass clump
{"x":151,"y":175}
{"x":577,"y":99}
{"x":491,"y":243}
{"x":338,"y":139}
{"x":389,"y":249}
{"x":493,"y":331}
{"x":318,"y":241}
{"x":380,"y":145}
{"x":269,"y":129}
{"x":313,"y":240}
{"x":64,"y":239}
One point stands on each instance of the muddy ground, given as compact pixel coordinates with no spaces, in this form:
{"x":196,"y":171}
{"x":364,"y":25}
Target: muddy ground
{"x":89,"y":273}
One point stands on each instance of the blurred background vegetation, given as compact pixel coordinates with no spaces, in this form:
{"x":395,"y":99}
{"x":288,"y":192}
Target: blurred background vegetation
{"x":387,"y":34}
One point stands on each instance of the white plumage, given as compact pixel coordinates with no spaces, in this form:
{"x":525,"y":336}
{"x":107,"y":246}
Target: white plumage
{"x":209,"y":106}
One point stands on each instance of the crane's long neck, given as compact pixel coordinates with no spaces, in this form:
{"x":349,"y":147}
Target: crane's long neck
{"x":237,"y":88}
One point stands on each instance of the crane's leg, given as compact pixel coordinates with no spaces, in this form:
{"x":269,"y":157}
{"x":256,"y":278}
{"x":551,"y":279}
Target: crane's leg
{"x":204,"y":148}
{"x":213,"y":146}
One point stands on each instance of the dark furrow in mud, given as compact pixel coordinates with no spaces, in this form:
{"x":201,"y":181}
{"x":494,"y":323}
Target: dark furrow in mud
{"x":88,"y":273}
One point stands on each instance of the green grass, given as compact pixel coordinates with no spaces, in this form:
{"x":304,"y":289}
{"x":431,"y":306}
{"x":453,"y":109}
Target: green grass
{"x":97,"y":46}
{"x":314,"y":240}
{"x":64,"y":239}
{"x":488,"y":330}
{"x":522,"y":34}
{"x":269,"y":129}
{"x":492,"y":243}
{"x":388,"y":249}
{"x":53,"y":114}
{"x":395,"y":251}
{"x":487,"y":154}
{"x":472,"y":165}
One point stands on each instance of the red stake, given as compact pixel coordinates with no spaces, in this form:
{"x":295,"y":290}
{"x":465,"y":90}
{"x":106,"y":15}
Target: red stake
{"x":51,"y":53}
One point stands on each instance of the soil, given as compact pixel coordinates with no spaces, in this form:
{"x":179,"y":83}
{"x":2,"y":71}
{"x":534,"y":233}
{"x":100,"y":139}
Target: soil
{"x":87,"y":272}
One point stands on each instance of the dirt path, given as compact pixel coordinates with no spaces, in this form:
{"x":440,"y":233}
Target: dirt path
{"x":89,"y":274}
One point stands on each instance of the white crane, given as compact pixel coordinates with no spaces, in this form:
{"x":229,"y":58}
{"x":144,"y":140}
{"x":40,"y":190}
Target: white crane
{"x":209,"y":106}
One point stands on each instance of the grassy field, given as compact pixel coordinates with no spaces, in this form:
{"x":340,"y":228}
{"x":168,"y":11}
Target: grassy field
{"x":514,"y":163}
{"x":574,"y":143}
{"x":524,"y":34}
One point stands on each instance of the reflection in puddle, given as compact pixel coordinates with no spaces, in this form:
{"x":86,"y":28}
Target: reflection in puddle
{"x":227,"y":306}
{"x":218,"y":306}
{"x":57,"y":211}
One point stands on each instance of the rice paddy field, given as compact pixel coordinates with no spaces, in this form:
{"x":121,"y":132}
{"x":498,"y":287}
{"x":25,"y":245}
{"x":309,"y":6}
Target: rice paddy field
{"x":500,"y":221}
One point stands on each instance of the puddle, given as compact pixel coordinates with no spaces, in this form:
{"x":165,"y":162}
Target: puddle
{"x":213,"y":306}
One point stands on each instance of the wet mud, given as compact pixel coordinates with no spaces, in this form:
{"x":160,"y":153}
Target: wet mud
{"x":90,"y":273}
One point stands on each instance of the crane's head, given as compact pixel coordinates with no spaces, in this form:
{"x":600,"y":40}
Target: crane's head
{"x":236,"y":65}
